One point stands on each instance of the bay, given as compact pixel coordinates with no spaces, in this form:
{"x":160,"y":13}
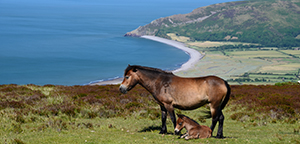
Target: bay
{"x":75,"y":42}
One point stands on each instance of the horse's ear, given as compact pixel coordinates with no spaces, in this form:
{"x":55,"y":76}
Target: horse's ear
{"x":179,"y":115}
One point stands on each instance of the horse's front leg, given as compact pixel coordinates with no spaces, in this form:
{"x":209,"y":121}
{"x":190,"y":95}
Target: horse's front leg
{"x":170,"y":109}
{"x":163,"y":120}
{"x":173,"y":117}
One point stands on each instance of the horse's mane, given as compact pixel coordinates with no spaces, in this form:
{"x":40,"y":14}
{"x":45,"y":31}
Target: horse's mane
{"x":146,"y":68}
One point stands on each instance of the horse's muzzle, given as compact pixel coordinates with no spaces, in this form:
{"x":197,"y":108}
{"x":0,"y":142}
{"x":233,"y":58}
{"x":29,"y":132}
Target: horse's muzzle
{"x":177,"y":131}
{"x":123,"y":89}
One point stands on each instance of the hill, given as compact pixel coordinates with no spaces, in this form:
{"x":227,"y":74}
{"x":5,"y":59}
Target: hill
{"x":266,"y":22}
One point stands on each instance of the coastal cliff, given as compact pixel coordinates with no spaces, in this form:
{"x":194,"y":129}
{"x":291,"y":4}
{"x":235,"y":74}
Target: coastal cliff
{"x":267,"y":22}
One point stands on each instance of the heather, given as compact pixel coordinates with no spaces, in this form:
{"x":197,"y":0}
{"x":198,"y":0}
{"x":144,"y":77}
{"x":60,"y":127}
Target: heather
{"x":101,"y":114}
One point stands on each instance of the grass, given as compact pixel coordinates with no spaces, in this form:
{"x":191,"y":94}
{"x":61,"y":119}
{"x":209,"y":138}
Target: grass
{"x":126,"y":132}
{"x":101,"y":114}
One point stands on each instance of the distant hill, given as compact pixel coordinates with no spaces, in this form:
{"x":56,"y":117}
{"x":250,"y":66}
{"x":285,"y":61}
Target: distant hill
{"x":267,"y":22}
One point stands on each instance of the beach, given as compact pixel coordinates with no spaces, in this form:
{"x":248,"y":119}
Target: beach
{"x":195,"y":56}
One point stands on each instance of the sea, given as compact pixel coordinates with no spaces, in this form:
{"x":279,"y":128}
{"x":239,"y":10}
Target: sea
{"x":79,"y":42}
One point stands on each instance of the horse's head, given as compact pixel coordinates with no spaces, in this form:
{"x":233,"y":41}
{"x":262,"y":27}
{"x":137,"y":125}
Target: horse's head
{"x":180,"y":123}
{"x":130,"y":79}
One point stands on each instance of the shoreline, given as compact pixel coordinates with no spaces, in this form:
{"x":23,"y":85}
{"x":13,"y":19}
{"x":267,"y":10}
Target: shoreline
{"x":195,"y":56}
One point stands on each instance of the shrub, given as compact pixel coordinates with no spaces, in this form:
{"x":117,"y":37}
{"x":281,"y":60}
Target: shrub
{"x":282,"y":101}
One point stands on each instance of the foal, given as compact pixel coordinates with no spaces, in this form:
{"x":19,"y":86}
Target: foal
{"x":194,"y":130}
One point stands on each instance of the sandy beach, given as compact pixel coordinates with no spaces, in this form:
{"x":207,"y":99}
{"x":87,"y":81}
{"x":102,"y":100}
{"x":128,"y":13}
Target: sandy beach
{"x":195,"y":56}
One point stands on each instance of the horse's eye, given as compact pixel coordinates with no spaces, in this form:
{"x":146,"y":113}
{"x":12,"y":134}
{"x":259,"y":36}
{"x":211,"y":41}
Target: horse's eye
{"x":127,"y":77}
{"x":180,"y":123}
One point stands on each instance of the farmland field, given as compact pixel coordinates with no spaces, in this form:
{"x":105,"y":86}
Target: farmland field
{"x":293,"y":52}
{"x":202,"y":44}
{"x":231,"y":65}
{"x":281,"y":68}
{"x":178,"y":38}
{"x":254,"y":54}
{"x":216,"y":63}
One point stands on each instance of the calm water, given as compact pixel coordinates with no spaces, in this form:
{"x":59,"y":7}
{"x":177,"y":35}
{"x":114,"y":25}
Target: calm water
{"x":74,"y":42}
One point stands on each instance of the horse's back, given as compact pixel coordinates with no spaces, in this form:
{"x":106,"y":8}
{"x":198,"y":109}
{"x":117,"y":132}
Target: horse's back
{"x":191,"y":93}
{"x":201,"y":84}
{"x":210,"y":80}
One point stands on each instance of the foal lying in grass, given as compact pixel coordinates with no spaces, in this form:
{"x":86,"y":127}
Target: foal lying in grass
{"x":194,"y":130}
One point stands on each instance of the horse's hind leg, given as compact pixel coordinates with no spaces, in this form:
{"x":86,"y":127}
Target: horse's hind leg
{"x":215,"y":118}
{"x":221,"y":122}
{"x":213,"y":124}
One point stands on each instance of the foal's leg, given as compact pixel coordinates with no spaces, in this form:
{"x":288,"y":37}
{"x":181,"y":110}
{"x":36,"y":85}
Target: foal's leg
{"x":186,"y":134}
{"x":163,"y":120}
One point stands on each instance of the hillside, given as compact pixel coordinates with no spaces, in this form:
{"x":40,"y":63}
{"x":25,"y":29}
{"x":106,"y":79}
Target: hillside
{"x":101,"y":114}
{"x":267,"y":22}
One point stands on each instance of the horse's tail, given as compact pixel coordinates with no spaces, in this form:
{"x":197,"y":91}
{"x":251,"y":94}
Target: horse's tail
{"x":226,"y":99}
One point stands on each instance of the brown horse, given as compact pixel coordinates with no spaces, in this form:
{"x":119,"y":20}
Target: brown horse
{"x":194,"y":130}
{"x":171,"y":92}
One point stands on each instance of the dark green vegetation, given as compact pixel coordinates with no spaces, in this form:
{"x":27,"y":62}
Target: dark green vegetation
{"x":95,"y":114}
{"x":266,"y":22}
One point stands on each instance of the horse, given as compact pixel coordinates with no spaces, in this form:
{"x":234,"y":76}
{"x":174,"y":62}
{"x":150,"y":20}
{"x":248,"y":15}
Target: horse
{"x":171,"y":91}
{"x":194,"y":130}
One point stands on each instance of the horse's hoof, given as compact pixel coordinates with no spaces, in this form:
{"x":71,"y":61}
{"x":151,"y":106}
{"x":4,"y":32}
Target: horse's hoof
{"x":177,"y":133}
{"x":220,"y":136}
{"x":162,"y":132}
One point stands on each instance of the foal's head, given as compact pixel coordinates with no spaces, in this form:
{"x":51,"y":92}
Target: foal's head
{"x":180,"y":123}
{"x":130,"y":79}
{"x":184,"y":121}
